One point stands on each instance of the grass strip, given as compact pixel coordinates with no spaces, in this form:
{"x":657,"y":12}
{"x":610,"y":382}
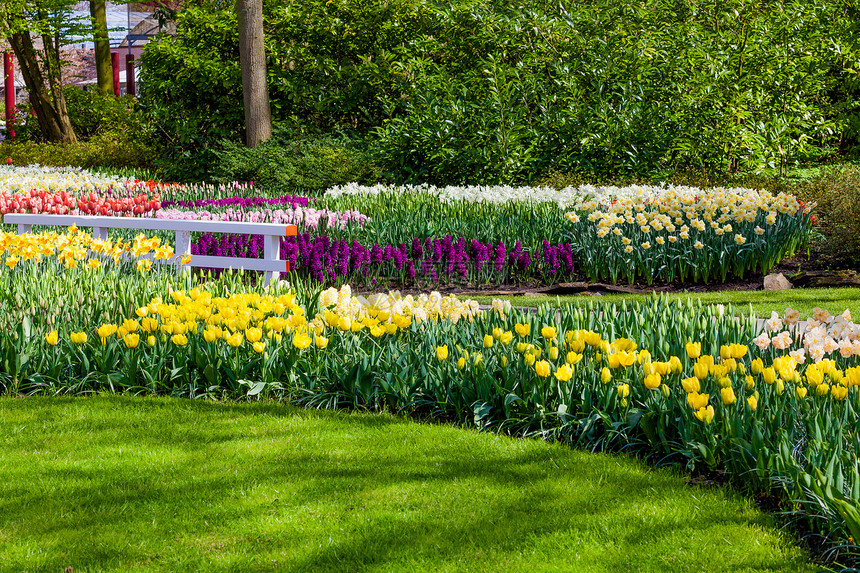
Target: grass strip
{"x":804,"y":300}
{"x":161,"y":484}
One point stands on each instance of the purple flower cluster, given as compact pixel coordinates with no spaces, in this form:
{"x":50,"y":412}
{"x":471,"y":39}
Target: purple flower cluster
{"x":434,"y":260}
{"x":242,"y":202}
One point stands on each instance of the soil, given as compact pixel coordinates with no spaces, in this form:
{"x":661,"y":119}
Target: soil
{"x":797,"y":266}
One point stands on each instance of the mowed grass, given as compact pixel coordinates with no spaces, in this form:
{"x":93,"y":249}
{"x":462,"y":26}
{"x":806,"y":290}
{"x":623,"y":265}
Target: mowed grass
{"x":803,"y":300}
{"x":141,"y":484}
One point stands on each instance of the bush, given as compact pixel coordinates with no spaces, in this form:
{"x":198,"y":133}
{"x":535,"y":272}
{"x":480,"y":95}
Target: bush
{"x":483,"y":91}
{"x":95,"y":113}
{"x":306,"y":163}
{"x":108,"y":150}
{"x":837,"y":194}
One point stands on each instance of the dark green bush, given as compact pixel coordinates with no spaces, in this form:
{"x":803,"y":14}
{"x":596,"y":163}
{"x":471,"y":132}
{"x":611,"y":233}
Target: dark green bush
{"x":305,"y":163}
{"x":836,"y":191}
{"x":108,"y":150}
{"x":492,"y":91}
{"x":95,"y":113}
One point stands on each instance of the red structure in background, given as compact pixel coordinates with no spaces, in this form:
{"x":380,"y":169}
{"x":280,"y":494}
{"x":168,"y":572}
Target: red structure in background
{"x":9,"y":100}
{"x":114,"y":61}
{"x":130,"y":88}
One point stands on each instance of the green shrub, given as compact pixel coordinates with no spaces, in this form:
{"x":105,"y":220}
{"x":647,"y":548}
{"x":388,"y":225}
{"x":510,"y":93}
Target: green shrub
{"x":108,"y":150}
{"x":306,"y":163}
{"x":836,"y":192}
{"x":95,"y":113}
{"x":490,"y":91}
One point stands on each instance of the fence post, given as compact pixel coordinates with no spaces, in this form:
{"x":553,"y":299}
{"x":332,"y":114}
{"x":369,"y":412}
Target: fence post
{"x":271,"y":252}
{"x":130,"y":87}
{"x":114,"y":62}
{"x":9,"y":99}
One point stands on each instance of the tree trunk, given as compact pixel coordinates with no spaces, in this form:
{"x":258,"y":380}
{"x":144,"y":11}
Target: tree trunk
{"x":252,"y":58}
{"x":102,"y":49}
{"x":46,"y":97}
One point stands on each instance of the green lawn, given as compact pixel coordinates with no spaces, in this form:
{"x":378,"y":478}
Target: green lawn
{"x":763,"y":303}
{"x":138,"y":484}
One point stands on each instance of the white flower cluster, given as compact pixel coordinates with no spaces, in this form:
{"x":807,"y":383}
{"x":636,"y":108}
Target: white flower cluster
{"x":15,"y":179}
{"x":584,"y":196}
{"x":820,"y":337}
{"x":385,"y":307}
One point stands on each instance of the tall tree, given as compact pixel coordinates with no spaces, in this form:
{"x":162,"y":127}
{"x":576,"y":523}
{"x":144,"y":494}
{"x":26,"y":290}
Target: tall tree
{"x":104,"y":73}
{"x":36,"y":29}
{"x":252,"y":58}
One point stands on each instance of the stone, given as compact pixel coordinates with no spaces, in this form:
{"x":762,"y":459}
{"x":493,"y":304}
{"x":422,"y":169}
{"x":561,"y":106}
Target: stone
{"x":776,"y":281}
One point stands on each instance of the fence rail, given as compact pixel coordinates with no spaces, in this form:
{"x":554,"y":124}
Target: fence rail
{"x":272,"y":233}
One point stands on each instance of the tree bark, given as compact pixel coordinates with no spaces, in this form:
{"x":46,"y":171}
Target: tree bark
{"x":102,"y":46}
{"x":252,"y":58}
{"x":44,"y":88}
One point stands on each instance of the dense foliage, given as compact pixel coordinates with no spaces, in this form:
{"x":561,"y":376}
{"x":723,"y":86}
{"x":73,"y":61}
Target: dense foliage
{"x":484,"y":91}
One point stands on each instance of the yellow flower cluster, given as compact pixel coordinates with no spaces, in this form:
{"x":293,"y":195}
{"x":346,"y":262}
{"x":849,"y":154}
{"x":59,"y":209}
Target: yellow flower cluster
{"x":677,"y":212}
{"x":392,"y":308}
{"x":74,"y":247}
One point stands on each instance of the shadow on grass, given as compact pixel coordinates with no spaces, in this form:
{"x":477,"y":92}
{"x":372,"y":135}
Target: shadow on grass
{"x":124,"y":483}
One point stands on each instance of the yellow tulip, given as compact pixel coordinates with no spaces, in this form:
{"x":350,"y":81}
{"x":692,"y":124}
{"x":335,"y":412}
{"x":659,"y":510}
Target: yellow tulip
{"x":301,"y":340}
{"x":150,"y":340}
{"x":756,"y":366}
{"x":839,"y":392}
{"x":253,"y":334}
{"x":52,"y":337}
{"x":149,"y":324}
{"x":179,"y":339}
{"x":565,"y":373}
{"x":814,"y":376}
{"x":769,"y":375}
{"x":522,"y":329}
{"x":235,"y":339}
{"x":506,"y":337}
{"x":728,"y":396}
{"x":705,"y":415}
{"x":210,"y":335}
{"x":548,"y":332}
{"x":131,"y":340}
{"x":698,"y":401}
{"x":691,"y":385}
{"x":259,"y":347}
{"x":652,"y":381}
{"x":801,"y":392}
{"x":853,"y":376}
{"x":700,"y":370}
{"x":488,"y":341}
{"x":749,"y":383}
{"x":542,"y":368}
{"x":322,"y":341}
{"x":822,"y":389}
{"x":623,"y":390}
{"x":694,"y":350}
{"x":752,"y":401}
{"x":461,"y":363}
{"x":605,"y":375}
{"x":553,"y":353}
{"x":725,"y":352}
{"x":573,"y":358}
{"x":442,"y":352}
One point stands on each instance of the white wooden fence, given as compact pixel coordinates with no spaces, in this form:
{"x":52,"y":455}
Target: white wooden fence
{"x":271,"y":232}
